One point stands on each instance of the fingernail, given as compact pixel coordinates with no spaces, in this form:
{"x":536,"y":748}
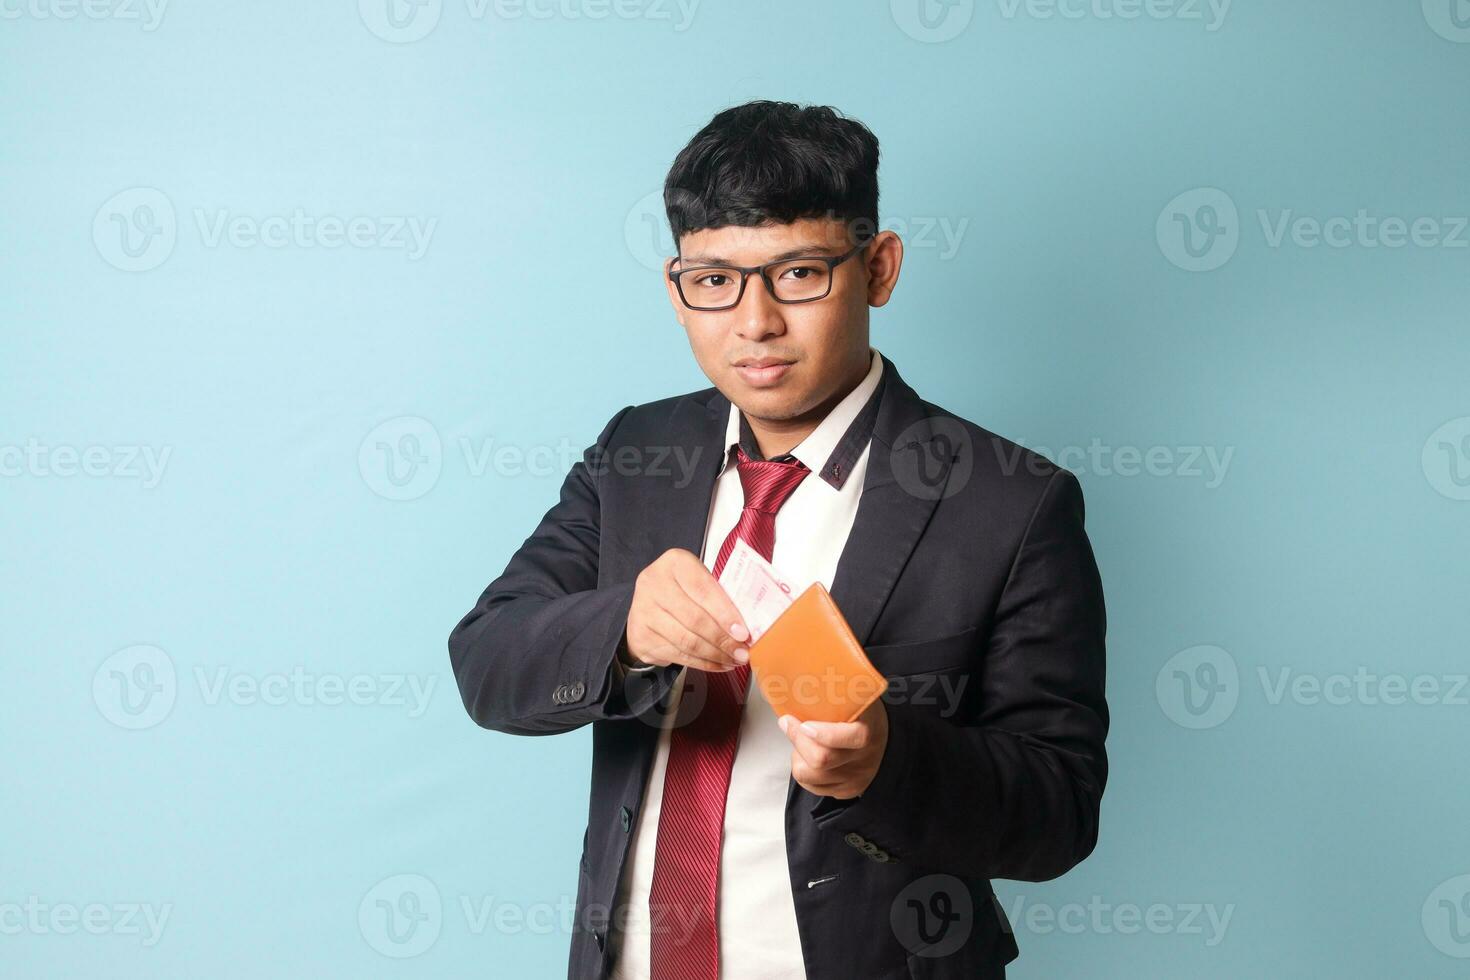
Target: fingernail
{"x":739,"y":632}
{"x":808,"y":728}
{"x":742,"y":655}
{"x":782,"y":721}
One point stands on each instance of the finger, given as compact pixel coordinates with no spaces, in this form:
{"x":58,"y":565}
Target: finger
{"x":837,"y":734}
{"x":823,"y":782}
{"x":701,"y":586}
{"x":813,"y":753}
{"x":694,"y":617}
{"x":684,"y":647}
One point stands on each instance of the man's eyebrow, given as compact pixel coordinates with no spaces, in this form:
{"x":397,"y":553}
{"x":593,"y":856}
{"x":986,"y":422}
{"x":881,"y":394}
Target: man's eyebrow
{"x":804,"y":251}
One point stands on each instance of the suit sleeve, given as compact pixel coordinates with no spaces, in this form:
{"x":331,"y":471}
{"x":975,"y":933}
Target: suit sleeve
{"x":537,"y":653}
{"x":1013,"y":788}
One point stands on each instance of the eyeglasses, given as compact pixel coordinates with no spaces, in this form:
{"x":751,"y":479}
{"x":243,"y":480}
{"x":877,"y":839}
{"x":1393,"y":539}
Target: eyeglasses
{"x":799,"y":280}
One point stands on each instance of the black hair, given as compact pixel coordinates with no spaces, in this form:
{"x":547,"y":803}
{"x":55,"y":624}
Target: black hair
{"x":775,"y":161}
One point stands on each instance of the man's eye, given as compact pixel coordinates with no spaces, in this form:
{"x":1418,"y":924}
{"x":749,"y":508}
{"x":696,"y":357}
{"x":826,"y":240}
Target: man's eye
{"x":713,"y":281}
{"x":800,"y":272}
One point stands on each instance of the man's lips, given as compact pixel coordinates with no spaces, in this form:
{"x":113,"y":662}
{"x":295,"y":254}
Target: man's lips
{"x":762,"y":372}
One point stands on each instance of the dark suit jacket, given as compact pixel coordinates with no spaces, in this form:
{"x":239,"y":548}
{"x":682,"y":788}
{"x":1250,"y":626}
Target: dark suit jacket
{"x":969,"y":580}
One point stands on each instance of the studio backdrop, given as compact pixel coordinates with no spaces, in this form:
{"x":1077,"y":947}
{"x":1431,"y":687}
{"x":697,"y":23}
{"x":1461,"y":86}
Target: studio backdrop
{"x":306,"y":309}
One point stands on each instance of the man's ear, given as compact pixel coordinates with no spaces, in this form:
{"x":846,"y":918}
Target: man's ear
{"x":673,"y":290}
{"x":884,"y":259}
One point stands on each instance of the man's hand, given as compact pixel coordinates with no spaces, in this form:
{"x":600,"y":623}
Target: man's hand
{"x":681,"y":615}
{"x":838,"y":758}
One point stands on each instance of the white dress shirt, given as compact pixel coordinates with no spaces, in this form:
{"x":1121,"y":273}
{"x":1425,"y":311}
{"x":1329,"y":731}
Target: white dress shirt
{"x":756,"y":913}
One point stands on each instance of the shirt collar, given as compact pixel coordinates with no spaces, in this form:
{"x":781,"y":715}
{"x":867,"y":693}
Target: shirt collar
{"x":831,"y":449}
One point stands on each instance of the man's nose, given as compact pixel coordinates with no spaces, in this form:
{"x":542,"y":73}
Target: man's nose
{"x":758,"y":315}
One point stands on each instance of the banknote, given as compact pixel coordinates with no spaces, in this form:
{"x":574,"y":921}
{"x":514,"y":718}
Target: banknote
{"x":759,"y":591}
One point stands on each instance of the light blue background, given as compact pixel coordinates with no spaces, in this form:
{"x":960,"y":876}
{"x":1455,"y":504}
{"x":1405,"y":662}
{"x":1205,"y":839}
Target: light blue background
{"x":1333,"y":835}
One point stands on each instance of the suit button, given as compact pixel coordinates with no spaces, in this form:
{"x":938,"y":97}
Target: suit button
{"x":560,"y":695}
{"x":578,"y":689}
{"x":627,"y":818}
{"x":856,"y":840}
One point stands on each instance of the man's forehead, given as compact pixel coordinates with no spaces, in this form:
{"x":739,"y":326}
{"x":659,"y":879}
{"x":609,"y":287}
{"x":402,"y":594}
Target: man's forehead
{"x":762,"y":243}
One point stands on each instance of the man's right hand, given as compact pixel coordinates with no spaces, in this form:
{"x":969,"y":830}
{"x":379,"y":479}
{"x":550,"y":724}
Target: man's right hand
{"x":681,"y":615}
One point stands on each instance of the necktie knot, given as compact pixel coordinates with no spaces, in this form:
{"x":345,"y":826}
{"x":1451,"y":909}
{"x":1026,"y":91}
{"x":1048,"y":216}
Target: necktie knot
{"x":768,"y":484}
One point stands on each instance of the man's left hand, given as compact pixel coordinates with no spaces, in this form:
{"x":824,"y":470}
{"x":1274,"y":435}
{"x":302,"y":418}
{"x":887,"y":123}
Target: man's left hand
{"x":838,"y":758}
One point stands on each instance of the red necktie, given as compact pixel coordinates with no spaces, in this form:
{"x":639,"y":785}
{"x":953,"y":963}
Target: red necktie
{"x":684,"y":943}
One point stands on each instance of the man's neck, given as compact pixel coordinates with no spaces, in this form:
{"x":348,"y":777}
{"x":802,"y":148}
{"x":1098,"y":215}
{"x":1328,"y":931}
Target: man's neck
{"x":778,"y":436}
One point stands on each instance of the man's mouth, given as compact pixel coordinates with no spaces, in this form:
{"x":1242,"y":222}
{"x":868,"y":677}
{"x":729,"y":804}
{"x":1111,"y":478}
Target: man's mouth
{"x":761,"y":372}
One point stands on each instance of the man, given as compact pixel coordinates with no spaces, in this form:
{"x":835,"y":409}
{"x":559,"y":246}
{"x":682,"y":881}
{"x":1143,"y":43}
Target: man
{"x":723,"y":841}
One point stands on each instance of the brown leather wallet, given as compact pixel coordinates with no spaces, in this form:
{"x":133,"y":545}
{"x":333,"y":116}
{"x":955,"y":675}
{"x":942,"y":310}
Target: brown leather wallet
{"x":810,"y":665}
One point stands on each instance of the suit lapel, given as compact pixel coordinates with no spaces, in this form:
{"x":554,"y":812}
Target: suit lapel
{"x":895,"y":505}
